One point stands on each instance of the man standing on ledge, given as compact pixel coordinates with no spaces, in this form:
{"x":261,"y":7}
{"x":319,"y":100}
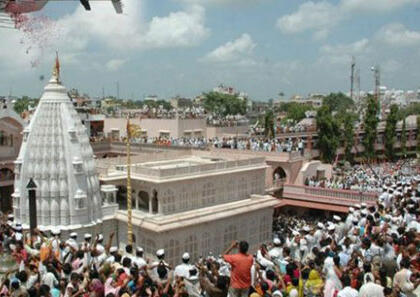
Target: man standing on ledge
{"x":240,"y":279}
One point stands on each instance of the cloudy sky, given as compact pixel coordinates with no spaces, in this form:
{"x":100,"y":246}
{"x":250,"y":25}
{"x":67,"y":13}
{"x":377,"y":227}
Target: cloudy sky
{"x":184,"y":47}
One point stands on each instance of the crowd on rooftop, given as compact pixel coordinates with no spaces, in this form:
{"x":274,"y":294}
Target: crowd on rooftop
{"x":240,"y":143}
{"x":372,"y":251}
{"x":369,"y":177}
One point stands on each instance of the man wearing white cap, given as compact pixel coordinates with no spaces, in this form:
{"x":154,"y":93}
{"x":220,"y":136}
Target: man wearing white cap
{"x":72,"y":241}
{"x":183,"y":270}
{"x":319,"y":234}
{"x":113,"y":250}
{"x":340,"y":228}
{"x":349,"y":218}
{"x":138,"y":260}
{"x":160,"y":255}
{"x":56,"y":242}
{"x":276,"y":252}
{"x":99,"y":244}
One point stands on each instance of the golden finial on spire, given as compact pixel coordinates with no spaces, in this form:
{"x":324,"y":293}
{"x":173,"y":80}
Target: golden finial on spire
{"x":56,"y":68}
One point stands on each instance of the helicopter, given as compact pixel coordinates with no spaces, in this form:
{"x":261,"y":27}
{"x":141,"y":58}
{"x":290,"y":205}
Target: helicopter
{"x":10,"y":8}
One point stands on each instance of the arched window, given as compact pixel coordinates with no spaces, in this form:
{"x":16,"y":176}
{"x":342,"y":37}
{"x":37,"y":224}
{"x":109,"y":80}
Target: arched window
{"x":2,"y":137}
{"x":122,"y":197}
{"x":143,"y":201}
{"x":155,"y":202}
{"x":279,"y":173}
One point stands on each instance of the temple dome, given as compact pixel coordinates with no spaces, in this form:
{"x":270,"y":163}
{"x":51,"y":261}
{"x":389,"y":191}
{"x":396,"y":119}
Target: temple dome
{"x":56,"y":153}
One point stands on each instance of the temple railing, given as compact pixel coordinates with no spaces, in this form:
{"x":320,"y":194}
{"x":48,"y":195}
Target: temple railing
{"x":325,"y":195}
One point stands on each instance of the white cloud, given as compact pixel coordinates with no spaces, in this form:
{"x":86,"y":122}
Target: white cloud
{"x":115,"y":64}
{"x":128,"y":31}
{"x":74,"y":33}
{"x":237,"y":51}
{"x":374,"y":5}
{"x":182,"y":28}
{"x":321,"y":17}
{"x":342,"y":53}
{"x":397,"y":35}
{"x":318,"y":16}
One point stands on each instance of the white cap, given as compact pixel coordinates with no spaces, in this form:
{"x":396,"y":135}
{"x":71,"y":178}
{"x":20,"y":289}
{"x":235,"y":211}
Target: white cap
{"x":160,"y":252}
{"x":320,"y":225}
{"x":276,"y":240}
{"x":139,"y":249}
{"x":73,"y":234}
{"x":186,"y":256}
{"x":295,"y":233}
{"x":10,"y":217}
{"x":18,"y":227}
{"x":357,"y":206}
{"x":337,"y":218}
{"x":55,"y":231}
{"x":100,"y":237}
{"x":351,"y":209}
{"x":363,"y":204}
{"x":331,"y":227}
{"x":306,"y":228}
{"x":88,"y":236}
{"x":113,"y":249}
{"x":277,"y":293}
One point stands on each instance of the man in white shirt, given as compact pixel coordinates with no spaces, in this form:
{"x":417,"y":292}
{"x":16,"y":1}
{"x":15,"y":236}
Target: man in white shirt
{"x":347,"y":291}
{"x":183,"y":270}
{"x":370,"y":289}
{"x":138,"y":260}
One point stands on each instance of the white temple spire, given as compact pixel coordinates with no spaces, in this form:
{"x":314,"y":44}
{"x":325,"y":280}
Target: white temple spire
{"x":56,"y":153}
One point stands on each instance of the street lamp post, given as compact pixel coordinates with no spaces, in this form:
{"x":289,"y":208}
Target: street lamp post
{"x":32,"y":205}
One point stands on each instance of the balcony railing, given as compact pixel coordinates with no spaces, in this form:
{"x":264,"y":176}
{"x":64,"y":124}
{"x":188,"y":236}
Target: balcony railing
{"x":325,"y":195}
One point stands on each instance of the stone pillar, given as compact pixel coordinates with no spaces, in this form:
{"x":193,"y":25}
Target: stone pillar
{"x":136,"y":200}
{"x":150,"y":203}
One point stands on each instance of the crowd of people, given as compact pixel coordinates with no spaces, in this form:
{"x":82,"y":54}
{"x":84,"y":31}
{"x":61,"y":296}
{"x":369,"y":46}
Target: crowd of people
{"x":240,"y":143}
{"x":373,"y":251}
{"x":259,"y":144}
{"x":368,"y":177}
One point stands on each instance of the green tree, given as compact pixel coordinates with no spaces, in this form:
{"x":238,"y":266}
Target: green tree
{"x":412,"y":109}
{"x":391,"y":124}
{"x":338,"y":102}
{"x":24,"y":103}
{"x":403,"y":138}
{"x":224,"y":104}
{"x":328,"y":138}
{"x":294,"y":111}
{"x":347,"y":135}
{"x":370,"y":124}
{"x":269,"y":124}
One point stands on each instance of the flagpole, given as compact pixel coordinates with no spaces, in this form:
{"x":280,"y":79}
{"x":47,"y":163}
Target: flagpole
{"x":129,"y":221}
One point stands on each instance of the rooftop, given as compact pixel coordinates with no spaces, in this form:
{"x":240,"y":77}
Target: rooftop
{"x":193,"y":163}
